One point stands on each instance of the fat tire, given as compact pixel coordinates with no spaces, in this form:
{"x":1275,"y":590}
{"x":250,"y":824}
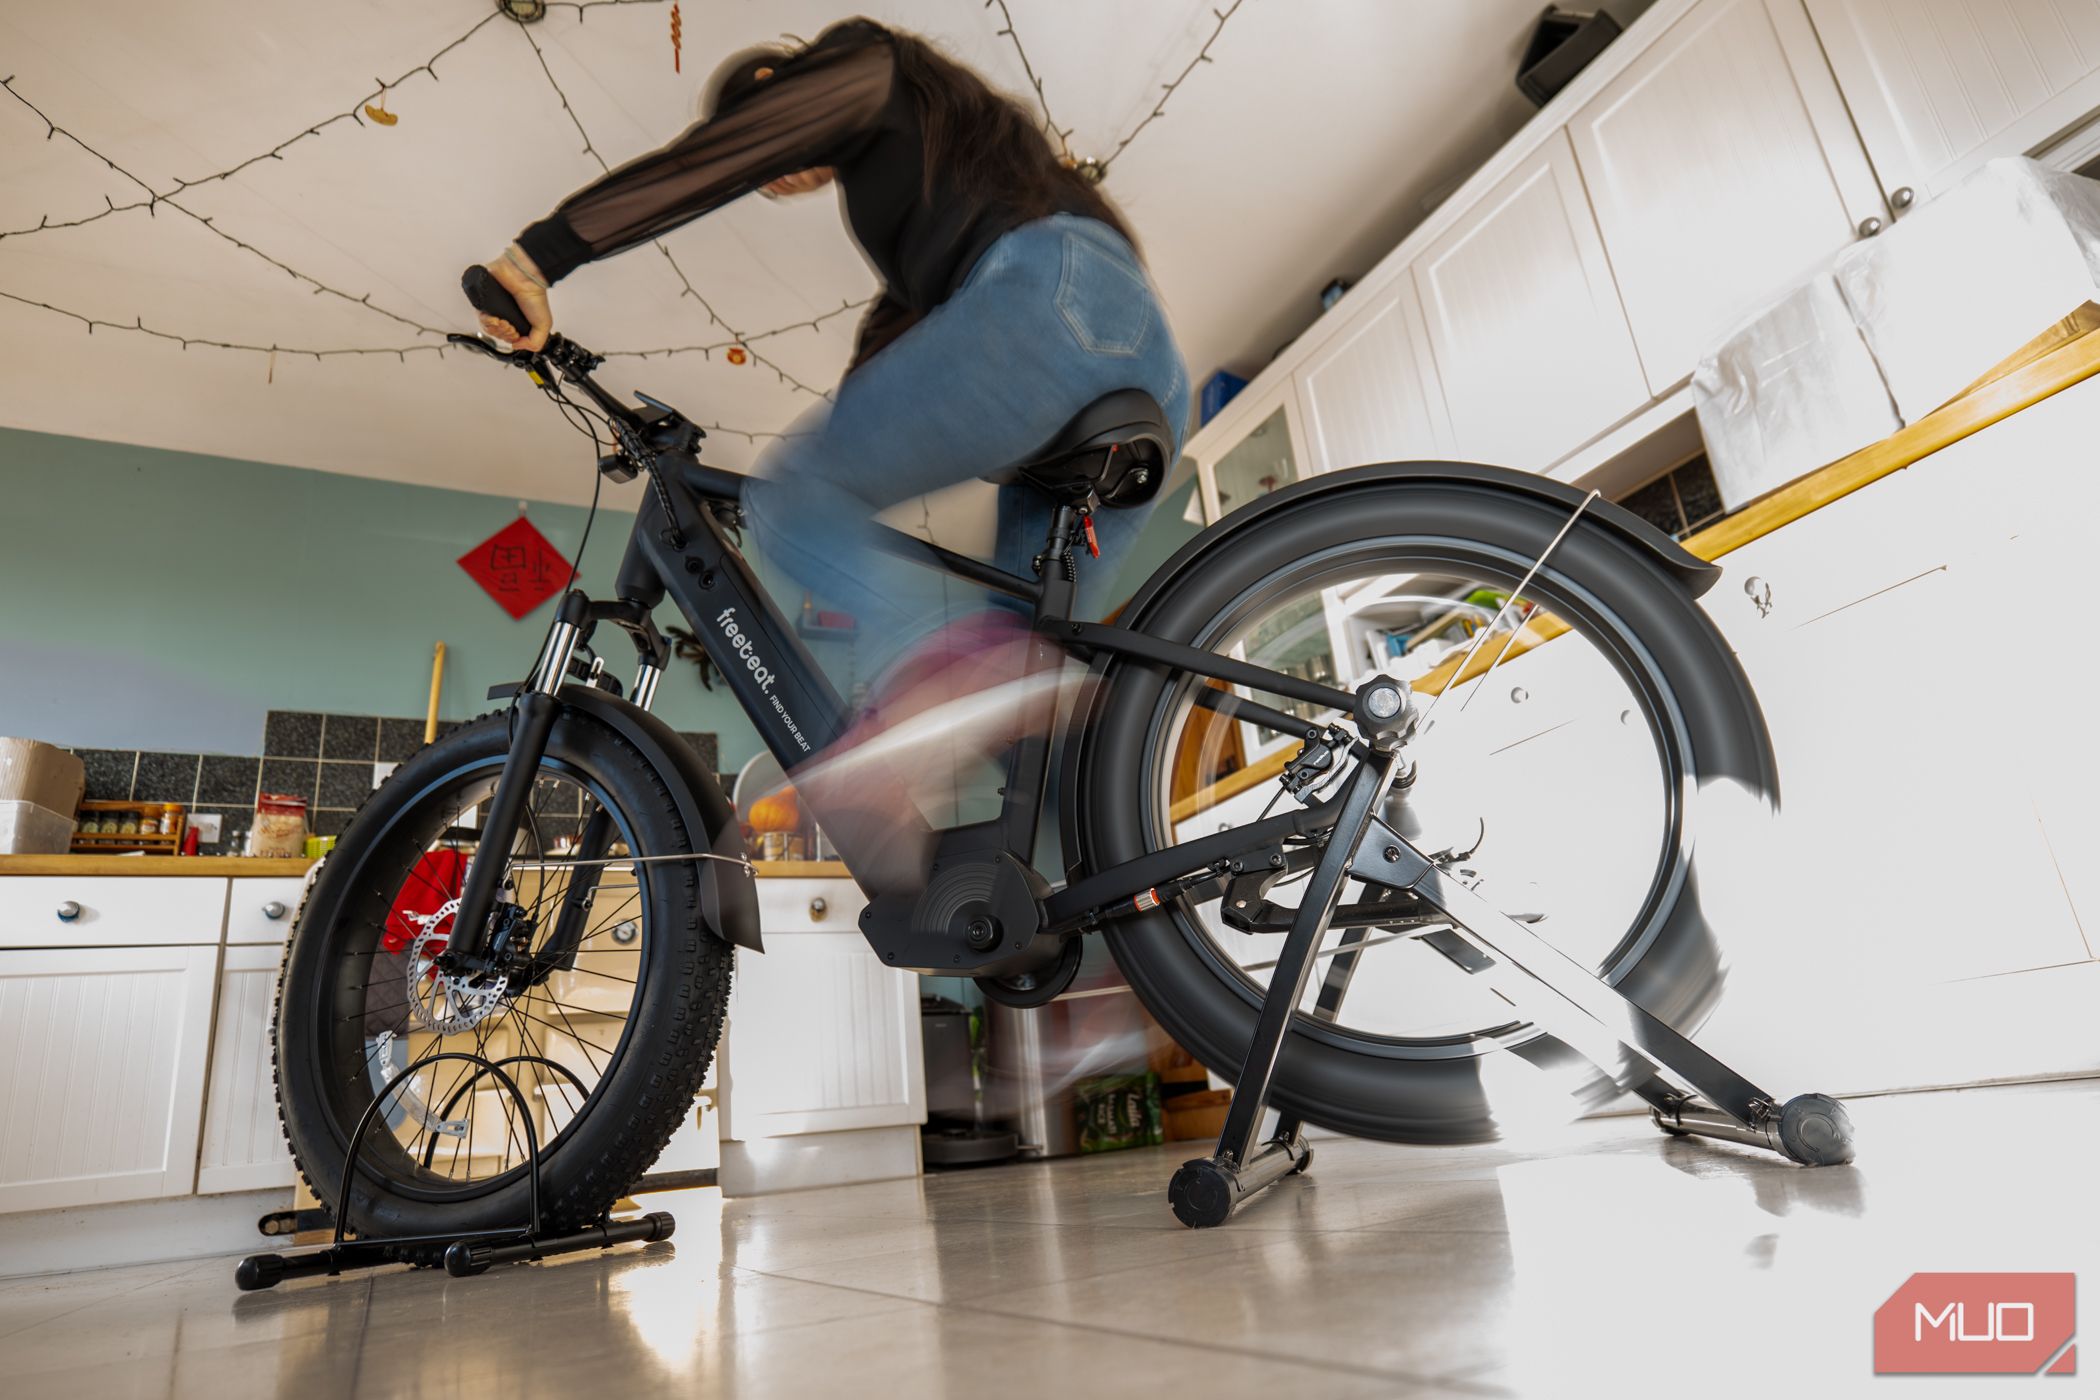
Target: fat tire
{"x":1358,"y":1091}
{"x":670,"y":1037}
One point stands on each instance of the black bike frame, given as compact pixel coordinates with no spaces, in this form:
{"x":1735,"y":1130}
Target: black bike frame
{"x":680,"y":548}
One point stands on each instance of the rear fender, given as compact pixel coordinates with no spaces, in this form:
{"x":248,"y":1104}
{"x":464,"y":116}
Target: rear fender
{"x":1694,"y":574}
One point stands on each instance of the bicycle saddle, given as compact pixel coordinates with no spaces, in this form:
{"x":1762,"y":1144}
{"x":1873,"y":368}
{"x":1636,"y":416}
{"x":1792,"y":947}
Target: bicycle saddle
{"x":1117,"y":448}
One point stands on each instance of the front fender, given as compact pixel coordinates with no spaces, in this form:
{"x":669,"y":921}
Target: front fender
{"x":728,"y":893}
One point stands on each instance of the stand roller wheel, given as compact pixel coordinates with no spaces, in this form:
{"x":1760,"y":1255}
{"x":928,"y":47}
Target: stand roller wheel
{"x":1304,"y":1163}
{"x":1815,"y":1131}
{"x":1201,"y":1194}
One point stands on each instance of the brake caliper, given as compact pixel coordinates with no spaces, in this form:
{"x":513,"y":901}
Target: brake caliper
{"x":1314,"y":763}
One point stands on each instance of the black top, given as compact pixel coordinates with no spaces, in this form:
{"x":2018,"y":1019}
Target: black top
{"x":839,"y":103}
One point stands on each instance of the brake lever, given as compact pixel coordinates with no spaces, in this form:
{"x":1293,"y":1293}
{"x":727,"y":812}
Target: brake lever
{"x":480,"y":346}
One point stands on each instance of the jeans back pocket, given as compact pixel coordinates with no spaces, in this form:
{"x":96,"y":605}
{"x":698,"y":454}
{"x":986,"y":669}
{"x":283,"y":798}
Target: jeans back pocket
{"x":1106,"y":304}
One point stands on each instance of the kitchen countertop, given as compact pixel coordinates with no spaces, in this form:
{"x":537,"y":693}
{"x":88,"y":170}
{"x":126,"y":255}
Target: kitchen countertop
{"x":224,"y":867}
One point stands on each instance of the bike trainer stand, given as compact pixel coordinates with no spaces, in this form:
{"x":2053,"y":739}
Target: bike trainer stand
{"x":1688,"y":1091}
{"x":467,"y":1254}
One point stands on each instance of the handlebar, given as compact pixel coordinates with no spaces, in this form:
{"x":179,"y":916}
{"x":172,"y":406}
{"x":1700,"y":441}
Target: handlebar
{"x":640,"y":436}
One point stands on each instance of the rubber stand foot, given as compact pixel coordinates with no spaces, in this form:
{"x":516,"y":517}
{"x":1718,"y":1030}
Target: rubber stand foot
{"x":1815,"y":1131}
{"x":1201,"y":1194}
{"x":466,"y":1258}
{"x":258,"y":1271}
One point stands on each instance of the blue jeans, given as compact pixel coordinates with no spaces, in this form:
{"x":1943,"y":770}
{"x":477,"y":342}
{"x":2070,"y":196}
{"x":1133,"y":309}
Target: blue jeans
{"x":1054,"y":315}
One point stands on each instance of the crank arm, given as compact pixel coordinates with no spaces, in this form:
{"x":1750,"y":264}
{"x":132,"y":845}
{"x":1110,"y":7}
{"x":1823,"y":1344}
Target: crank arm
{"x":1560,"y":995}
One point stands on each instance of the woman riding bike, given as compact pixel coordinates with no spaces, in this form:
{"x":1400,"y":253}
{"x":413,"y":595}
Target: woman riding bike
{"x":1510,"y":728}
{"x":1012,"y":297}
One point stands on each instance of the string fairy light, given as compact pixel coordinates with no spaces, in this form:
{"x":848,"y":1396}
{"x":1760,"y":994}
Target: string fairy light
{"x":53,"y":129}
{"x":1096,"y":170}
{"x":1159,"y":108}
{"x":1064,"y":147}
{"x":737,"y":341}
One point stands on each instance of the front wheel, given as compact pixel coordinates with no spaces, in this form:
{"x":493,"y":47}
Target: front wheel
{"x":605,"y":1021}
{"x":1574,"y":734}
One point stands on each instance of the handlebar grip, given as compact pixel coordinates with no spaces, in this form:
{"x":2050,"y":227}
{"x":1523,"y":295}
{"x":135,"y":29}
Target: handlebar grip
{"x":486,"y":295}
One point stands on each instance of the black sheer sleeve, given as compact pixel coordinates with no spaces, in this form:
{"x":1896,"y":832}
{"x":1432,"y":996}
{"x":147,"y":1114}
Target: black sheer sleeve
{"x":816,"y":112}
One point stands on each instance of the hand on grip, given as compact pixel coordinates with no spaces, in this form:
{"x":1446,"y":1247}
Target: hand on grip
{"x":507,"y":312}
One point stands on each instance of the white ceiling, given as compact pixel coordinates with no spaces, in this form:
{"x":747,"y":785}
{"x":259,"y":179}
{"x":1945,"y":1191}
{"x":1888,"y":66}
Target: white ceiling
{"x":1306,"y":147}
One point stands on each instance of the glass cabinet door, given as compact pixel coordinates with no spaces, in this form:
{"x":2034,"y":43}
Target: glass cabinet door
{"x":1261,"y":461}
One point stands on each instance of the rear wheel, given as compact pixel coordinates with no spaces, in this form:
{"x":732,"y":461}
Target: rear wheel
{"x":608,"y":1032}
{"x":1571,"y":733}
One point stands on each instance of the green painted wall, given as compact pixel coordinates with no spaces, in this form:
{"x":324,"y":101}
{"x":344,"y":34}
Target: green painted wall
{"x":165,"y":600}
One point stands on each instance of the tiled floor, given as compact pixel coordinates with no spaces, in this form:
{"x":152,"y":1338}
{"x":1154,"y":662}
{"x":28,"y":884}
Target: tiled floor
{"x":1605,"y":1261}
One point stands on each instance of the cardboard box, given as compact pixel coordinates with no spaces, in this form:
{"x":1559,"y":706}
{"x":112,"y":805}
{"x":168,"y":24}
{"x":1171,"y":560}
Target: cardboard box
{"x":40,"y":789}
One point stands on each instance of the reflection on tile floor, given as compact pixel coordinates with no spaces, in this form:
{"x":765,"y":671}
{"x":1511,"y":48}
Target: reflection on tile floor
{"x":1612,"y":1262}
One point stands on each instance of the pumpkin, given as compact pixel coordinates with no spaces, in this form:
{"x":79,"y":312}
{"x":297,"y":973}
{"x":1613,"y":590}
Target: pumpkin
{"x":777,"y":811}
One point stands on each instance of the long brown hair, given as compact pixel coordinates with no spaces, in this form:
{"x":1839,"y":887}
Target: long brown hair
{"x":985,"y":139}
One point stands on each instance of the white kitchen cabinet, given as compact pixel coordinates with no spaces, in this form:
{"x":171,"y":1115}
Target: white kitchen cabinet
{"x":1938,"y":87}
{"x":1531,"y":344}
{"x":1722,"y":167}
{"x":243,"y":1147}
{"x":102,"y":1084}
{"x":1370,"y":392}
{"x":822,"y":1078}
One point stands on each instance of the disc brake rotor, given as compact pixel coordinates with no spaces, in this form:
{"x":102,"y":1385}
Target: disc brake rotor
{"x":443,"y":1002}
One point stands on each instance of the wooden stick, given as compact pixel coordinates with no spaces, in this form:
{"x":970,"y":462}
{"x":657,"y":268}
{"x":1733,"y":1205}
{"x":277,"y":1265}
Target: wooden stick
{"x":437,"y":686}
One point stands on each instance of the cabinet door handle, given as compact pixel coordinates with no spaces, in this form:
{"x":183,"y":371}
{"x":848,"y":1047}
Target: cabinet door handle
{"x":818,"y":908}
{"x":1902,"y":199}
{"x":1870,"y":226}
{"x":273,"y":910}
{"x":68,"y":912}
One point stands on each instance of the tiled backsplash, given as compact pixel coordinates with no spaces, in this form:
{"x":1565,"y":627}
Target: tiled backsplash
{"x":333,"y":761}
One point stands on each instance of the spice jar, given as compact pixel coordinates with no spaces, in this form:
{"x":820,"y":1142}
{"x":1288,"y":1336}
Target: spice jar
{"x":149,"y":821}
{"x":280,"y":826}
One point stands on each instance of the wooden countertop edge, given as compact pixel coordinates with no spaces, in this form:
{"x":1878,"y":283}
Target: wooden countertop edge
{"x":215,"y":867}
{"x":231,"y":867}
{"x":801,"y":870}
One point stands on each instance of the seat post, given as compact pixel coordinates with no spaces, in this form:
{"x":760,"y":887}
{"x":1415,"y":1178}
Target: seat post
{"x":1055,"y":566}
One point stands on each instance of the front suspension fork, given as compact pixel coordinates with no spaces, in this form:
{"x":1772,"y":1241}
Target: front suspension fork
{"x":532,"y":718}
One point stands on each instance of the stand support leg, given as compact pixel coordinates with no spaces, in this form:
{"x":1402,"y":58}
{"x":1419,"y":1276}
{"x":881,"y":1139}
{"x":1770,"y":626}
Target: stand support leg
{"x":1206,"y":1191}
{"x":1639,"y":1052}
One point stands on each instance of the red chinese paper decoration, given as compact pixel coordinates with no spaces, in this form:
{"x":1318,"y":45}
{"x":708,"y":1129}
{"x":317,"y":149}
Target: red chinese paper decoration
{"x":518,"y":567}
